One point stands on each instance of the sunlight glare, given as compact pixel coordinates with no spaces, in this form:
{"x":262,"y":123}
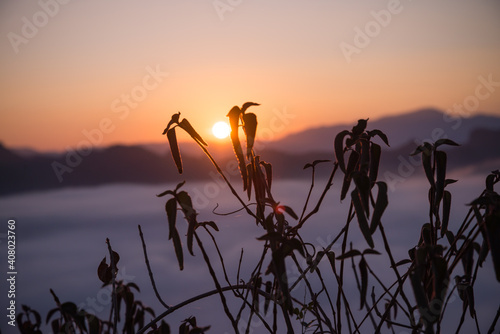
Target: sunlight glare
{"x":221,"y":130}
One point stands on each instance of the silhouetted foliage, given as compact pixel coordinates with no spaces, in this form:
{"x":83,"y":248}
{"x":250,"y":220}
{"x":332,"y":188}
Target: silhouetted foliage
{"x":430,"y":271}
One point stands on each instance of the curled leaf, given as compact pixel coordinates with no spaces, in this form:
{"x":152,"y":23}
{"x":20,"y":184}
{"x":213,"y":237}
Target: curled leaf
{"x":362,"y":221}
{"x":186,"y":126}
{"x":250,"y":128}
{"x":174,"y":149}
{"x":339,"y":149}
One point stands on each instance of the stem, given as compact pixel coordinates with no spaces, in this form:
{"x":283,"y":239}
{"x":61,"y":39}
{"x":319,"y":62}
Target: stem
{"x":219,"y":170}
{"x":149,"y":269}
{"x":199,"y":297}
{"x":113,"y":273}
{"x":217,"y":285}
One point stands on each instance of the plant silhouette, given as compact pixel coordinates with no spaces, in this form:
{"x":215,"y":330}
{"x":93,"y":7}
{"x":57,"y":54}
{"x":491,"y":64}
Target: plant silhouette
{"x":414,"y":299}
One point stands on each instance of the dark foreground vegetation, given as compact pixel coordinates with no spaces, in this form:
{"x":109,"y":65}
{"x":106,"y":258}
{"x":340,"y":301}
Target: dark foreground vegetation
{"x":442,"y":262}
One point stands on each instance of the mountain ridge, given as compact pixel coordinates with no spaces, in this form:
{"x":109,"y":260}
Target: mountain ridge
{"x":140,"y":164}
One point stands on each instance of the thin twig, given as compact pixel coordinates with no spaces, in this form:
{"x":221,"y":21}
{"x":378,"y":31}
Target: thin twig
{"x":149,"y":269}
{"x":199,"y":297}
{"x":113,"y":281}
{"x":216,"y":282}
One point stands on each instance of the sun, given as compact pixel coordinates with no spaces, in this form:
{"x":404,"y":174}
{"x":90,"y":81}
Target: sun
{"x":221,"y":130}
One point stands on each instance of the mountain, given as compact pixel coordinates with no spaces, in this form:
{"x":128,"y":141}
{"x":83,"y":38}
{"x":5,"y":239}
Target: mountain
{"x":416,"y":126}
{"x":479,"y":152}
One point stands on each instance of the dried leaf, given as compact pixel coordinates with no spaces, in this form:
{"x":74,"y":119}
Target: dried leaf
{"x":349,"y":254}
{"x":290,"y":211}
{"x":362,"y":221}
{"x":445,"y":141}
{"x":174,"y":149}
{"x":351,"y":165}
{"x":247,"y":105}
{"x":171,"y":210}
{"x":173,"y":120}
{"x":440,"y":157}
{"x":446,"y":212}
{"x":379,"y":133}
{"x":380,"y":205}
{"x":234,"y":119}
{"x":339,"y":149}
{"x":250,"y":128}
{"x":191,"y":131}
{"x":375,"y":152}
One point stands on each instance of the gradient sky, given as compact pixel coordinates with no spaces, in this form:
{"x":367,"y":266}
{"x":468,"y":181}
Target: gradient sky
{"x":77,"y":67}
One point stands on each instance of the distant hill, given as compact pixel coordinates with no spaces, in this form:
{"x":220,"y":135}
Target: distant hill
{"x":479,"y":152}
{"x":414,"y":126}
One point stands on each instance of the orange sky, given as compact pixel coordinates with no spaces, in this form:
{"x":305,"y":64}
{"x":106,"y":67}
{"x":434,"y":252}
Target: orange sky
{"x":70,"y":68}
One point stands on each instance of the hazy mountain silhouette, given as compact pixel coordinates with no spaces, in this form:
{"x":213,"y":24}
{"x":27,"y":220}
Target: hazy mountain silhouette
{"x":400,"y":129}
{"x":479,"y":152}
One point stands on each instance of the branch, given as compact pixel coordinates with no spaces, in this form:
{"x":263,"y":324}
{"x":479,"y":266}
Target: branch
{"x":202,"y":296}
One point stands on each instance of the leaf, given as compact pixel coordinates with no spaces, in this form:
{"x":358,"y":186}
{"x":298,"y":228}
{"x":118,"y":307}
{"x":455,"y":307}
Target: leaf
{"x":363,"y":190}
{"x":173,"y":120}
{"x":178,"y":248}
{"x":490,"y":181}
{"x":292,"y":244}
{"x":451,"y":240}
{"x":171,"y":210}
{"x":445,"y":141}
{"x":269,"y":173}
{"x":440,"y":157}
{"x":371,"y":251}
{"x":379,"y":133}
{"x":339,"y":149}
{"x":104,"y":272}
{"x":492,"y":223}
{"x":249,"y":174}
{"x":174,"y":149}
{"x":166,"y":192}
{"x":192,"y":132}
{"x":419,"y":292}
{"x":359,"y":128}
{"x":351,"y":165}
{"x":362,"y":221}
{"x":348,"y":254}
{"x":446,"y":212}
{"x":290,"y":212}
{"x":314,"y":163}
{"x":380,"y":205}
{"x":375,"y":152}
{"x":94,"y":324}
{"x":469,"y":292}
{"x":190,"y":215}
{"x":212,"y":225}
{"x":234,"y":118}
{"x":400,"y":263}
{"x":364,"y":281}
{"x":269,"y":286}
{"x":50,"y":314}
{"x":275,"y":236}
{"x":441,"y":279}
{"x":247,"y":105}
{"x":250,"y":128}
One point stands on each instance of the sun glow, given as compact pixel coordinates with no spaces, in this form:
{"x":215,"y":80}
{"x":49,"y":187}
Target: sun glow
{"x":221,"y":130}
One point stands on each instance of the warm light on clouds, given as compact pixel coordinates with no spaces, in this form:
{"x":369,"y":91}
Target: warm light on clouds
{"x":62,"y":75}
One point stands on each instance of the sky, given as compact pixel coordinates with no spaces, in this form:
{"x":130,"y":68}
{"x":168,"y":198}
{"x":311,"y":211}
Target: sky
{"x":114,"y":71}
